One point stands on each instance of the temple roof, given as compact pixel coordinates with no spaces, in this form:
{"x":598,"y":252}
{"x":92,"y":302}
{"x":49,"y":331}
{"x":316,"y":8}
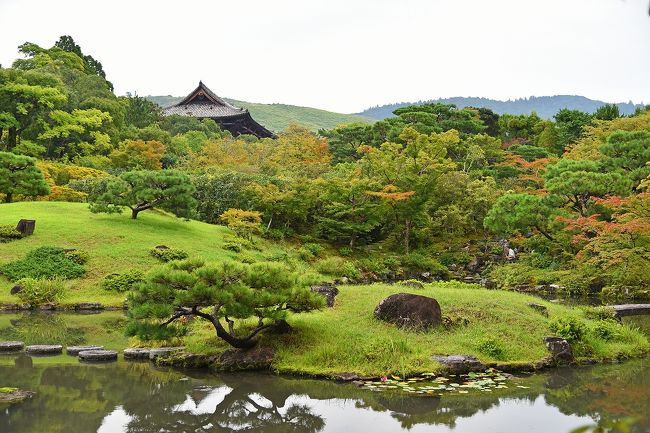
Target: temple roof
{"x":204,"y":103}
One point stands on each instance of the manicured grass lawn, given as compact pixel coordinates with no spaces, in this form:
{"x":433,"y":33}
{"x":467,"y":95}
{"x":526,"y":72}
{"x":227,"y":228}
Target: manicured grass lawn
{"x":115,"y":243}
{"x":347,"y":338}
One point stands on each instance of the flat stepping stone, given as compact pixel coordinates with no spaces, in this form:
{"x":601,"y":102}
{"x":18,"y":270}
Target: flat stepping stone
{"x":44,"y":349}
{"x":98,"y":355}
{"x":163,"y":351}
{"x":136,"y":353}
{"x":74,"y":350}
{"x":11,"y":346}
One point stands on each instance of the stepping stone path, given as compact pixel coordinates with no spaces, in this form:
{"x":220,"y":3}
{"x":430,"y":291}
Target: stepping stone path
{"x":98,"y":355}
{"x":11,"y":346}
{"x":136,"y":353}
{"x":74,"y":350}
{"x":44,"y":349}
{"x":163,"y":351}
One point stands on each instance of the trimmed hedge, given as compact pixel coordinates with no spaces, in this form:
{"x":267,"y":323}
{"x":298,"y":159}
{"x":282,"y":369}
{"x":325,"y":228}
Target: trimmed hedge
{"x":43,"y":263}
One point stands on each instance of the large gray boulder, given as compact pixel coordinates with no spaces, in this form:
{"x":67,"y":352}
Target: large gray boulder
{"x":328,"y":291}
{"x":460,"y":364}
{"x":560,"y":349}
{"x":410,"y":311}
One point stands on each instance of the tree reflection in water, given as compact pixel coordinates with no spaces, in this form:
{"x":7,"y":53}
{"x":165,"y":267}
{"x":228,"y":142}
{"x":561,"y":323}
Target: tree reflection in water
{"x":79,"y":398}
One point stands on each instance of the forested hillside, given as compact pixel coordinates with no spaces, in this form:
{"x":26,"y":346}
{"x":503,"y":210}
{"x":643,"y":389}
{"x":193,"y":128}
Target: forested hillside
{"x":436,"y":192}
{"x":545,"y":106}
{"x":279,"y":116}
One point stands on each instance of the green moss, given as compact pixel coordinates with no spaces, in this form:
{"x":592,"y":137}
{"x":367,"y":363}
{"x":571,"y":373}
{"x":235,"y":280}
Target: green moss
{"x":7,"y":390}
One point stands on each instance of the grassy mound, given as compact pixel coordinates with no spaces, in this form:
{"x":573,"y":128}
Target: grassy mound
{"x":495,"y":326}
{"x":114,"y":243}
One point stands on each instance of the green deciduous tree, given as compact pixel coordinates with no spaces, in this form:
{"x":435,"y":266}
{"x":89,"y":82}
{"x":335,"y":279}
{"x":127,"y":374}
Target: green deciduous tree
{"x":142,"y":190}
{"x":346,"y":212}
{"x":78,"y":133}
{"x":220,"y":293}
{"x":20,"y":176}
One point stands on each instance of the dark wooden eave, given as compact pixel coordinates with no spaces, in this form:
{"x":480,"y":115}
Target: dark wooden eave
{"x":203,"y":103}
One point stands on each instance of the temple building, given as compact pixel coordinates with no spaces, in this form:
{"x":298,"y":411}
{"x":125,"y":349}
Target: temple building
{"x":202,"y":103}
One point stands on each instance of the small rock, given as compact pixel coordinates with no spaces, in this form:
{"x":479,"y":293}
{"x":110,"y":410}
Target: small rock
{"x":16,"y":396}
{"x":162,"y":351}
{"x":136,"y":353}
{"x":347,"y":377}
{"x":328,"y":291}
{"x":98,"y":355}
{"x":11,"y":346}
{"x":281,"y":327}
{"x":89,"y":306}
{"x":74,"y":350}
{"x":460,"y":364}
{"x":16,"y":289}
{"x":44,"y":349}
{"x":409,"y":311}
{"x":412,"y":283}
{"x":539,"y":308}
{"x":47,"y":307}
{"x":161,"y":247}
{"x":560,"y":349}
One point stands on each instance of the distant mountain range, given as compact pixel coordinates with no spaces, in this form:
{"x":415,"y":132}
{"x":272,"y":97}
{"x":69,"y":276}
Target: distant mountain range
{"x":544,"y":106}
{"x":277,"y":117}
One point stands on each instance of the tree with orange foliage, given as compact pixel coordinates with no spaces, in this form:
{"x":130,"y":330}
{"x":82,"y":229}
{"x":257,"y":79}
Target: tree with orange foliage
{"x":138,"y":155}
{"x":408,"y":175}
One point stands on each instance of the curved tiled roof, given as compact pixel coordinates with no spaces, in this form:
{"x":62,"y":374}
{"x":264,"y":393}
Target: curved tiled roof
{"x":203,"y":110}
{"x":203,"y":103}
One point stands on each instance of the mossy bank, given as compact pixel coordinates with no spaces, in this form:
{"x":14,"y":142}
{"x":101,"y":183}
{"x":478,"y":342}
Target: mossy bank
{"x":497,"y":327}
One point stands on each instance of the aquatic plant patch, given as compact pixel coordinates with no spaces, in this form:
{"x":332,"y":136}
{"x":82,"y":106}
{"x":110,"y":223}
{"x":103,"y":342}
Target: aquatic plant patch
{"x":431,"y":384}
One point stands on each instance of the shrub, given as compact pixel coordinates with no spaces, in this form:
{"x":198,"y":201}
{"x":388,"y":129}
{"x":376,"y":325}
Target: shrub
{"x":600,"y":313}
{"x":43,"y":263}
{"x":123,"y":282}
{"x":337,"y":267}
{"x":247,"y":258}
{"x":314,"y":248}
{"x":274,"y":234}
{"x":245,"y":223}
{"x":279,"y":256}
{"x":38,"y":292}
{"x":607,"y":329}
{"x":345,"y":251}
{"x":80,"y":257}
{"x":419,"y":263}
{"x":168,"y":254}
{"x":571,"y":329}
{"x":8,"y":233}
{"x":491,"y":347}
{"x":232,"y":246}
{"x":305,"y":255}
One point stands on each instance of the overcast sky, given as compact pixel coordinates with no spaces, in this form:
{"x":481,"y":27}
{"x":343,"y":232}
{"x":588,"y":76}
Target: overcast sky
{"x":346,"y":55}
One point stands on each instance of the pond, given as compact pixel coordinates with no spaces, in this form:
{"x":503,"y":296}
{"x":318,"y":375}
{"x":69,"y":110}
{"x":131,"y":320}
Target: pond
{"x":137,"y":397}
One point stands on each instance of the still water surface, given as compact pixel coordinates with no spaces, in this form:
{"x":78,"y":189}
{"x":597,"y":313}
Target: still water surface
{"x":135,"y":397}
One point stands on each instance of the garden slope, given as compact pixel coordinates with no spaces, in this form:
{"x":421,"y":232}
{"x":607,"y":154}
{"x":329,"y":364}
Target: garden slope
{"x":500,"y":328}
{"x":115,"y":243}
